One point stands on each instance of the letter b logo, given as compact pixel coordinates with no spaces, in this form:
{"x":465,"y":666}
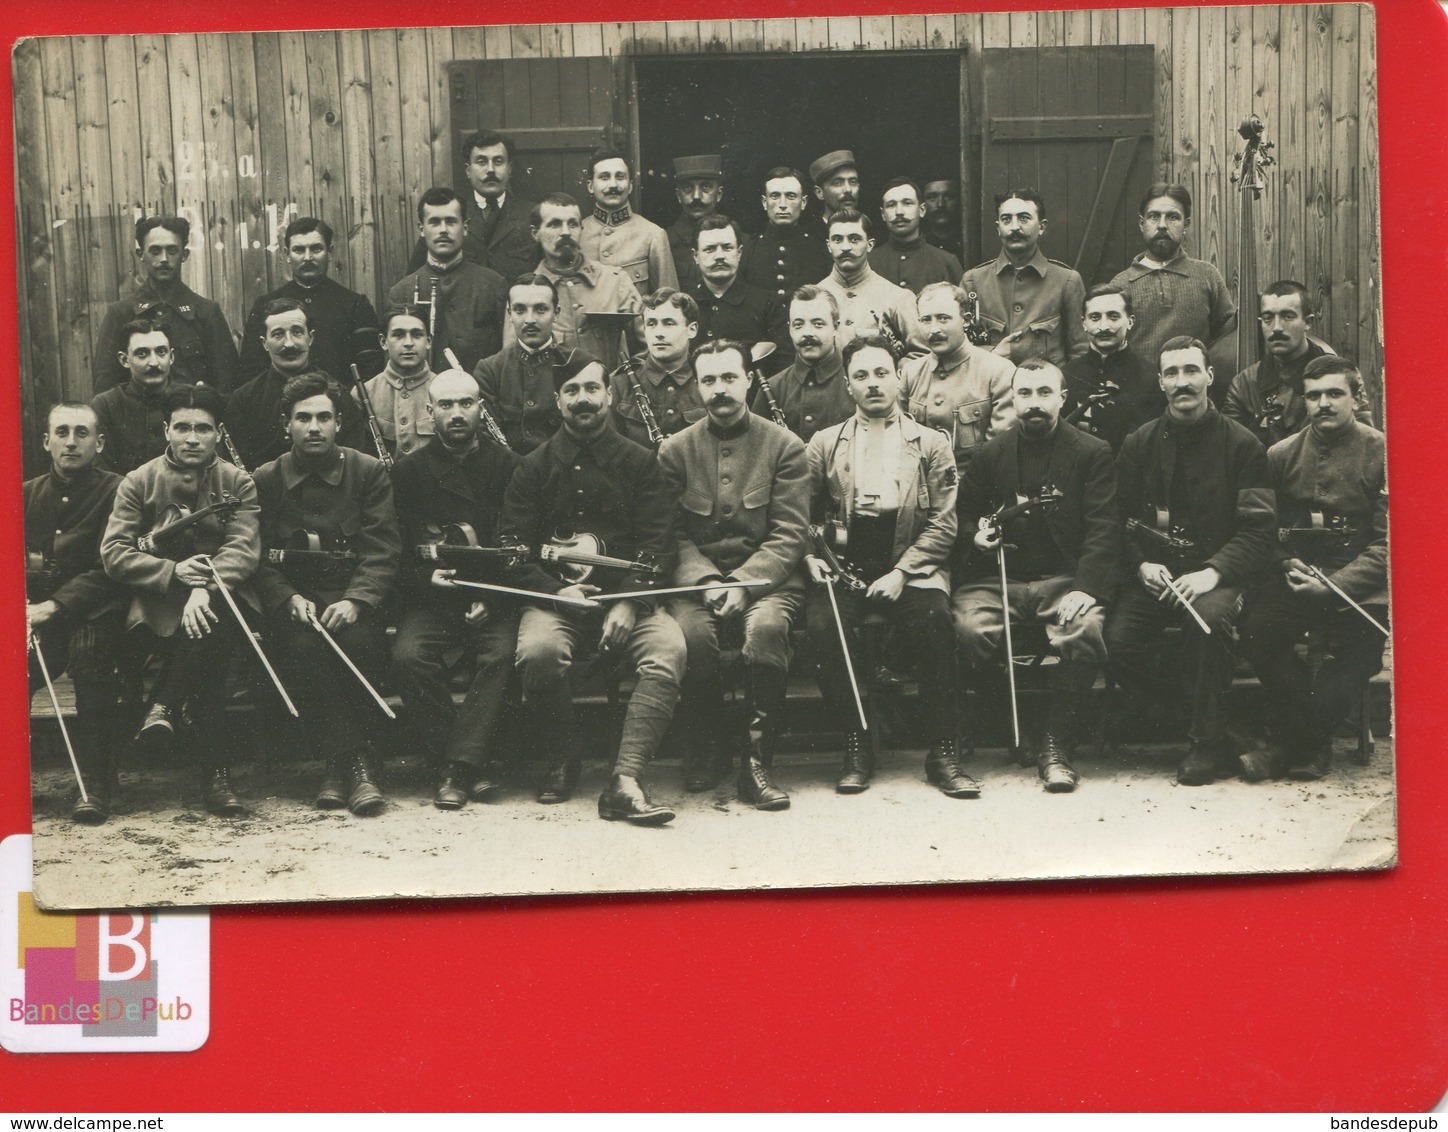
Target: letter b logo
{"x":113,"y":947}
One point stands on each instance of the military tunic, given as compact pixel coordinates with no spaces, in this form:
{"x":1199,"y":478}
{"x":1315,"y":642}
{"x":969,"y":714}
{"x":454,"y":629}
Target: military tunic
{"x":867,"y":300}
{"x":343,"y":324}
{"x":637,"y":247}
{"x":811,"y":397}
{"x":966,"y":396}
{"x":914,"y":265}
{"x":517,"y":389}
{"x":592,"y":289}
{"x":469,"y":315}
{"x":1043,"y":298}
{"x":201,"y":343}
{"x":133,"y":424}
{"x":784,"y":259}
{"x":673,"y":395}
{"x":746,"y":314}
{"x":401,"y":407}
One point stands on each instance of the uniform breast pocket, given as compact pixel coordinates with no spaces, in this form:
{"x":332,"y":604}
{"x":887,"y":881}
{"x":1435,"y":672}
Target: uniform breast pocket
{"x":697,"y":503}
{"x":1036,"y":341}
{"x":972,"y":418}
{"x":756,"y":496}
{"x":638,"y":271}
{"x":349,"y":529}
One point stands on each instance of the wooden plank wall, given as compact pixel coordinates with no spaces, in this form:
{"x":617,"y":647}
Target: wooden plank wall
{"x":242,"y":132}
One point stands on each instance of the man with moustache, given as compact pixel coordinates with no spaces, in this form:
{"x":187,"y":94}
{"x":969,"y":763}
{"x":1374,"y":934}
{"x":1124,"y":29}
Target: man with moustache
{"x":742,"y":483}
{"x":663,"y":376}
{"x":344,"y":323}
{"x":457,"y":477}
{"x":728,"y":306}
{"x":791,"y":253}
{"x":615,"y":236}
{"x":699,"y":187}
{"x":344,"y":497}
{"x":869,"y":303}
{"x":72,"y":610}
{"x":466,"y":315}
{"x":129,"y":415}
{"x":811,"y":393}
{"x":516,"y":384}
{"x":398,"y":395}
{"x":495,"y":219}
{"x":174,"y":602}
{"x":942,"y":216}
{"x":590,"y":479}
{"x":598,"y":306}
{"x":889,"y":484}
{"x":905,"y":259}
{"x":958,"y":389}
{"x":1196,"y":476}
{"x":1111,"y":390}
{"x":200,"y":338}
{"x":1062,"y":561}
{"x":1029,"y":303}
{"x":836,"y":180}
{"x":1171,"y":294}
{"x":1266,"y":397}
{"x":1333,"y":468}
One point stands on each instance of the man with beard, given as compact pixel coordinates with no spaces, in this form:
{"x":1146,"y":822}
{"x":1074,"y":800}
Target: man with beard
{"x":1198,"y":485}
{"x":517,"y":383}
{"x":344,"y":497}
{"x":495,"y":220}
{"x":71,"y":608}
{"x":200,"y":338}
{"x":791,"y":253}
{"x":836,"y":180}
{"x":1266,"y":397}
{"x":889,"y":485}
{"x":344,"y":323}
{"x":174,"y":597}
{"x":592,"y":480}
{"x":663,"y":376}
{"x":129,"y":416}
{"x":869,"y":303}
{"x":1332,"y":499}
{"x":615,"y":236}
{"x":905,"y":258}
{"x":812,"y":393}
{"x":728,"y":306}
{"x":598,"y":306}
{"x":958,"y":389}
{"x":456,"y":478}
{"x":398,"y":395}
{"x":742,"y":483}
{"x":942,"y":216}
{"x":699,"y":186}
{"x":1111,"y":390}
{"x":1028,"y":303}
{"x":465,"y":300}
{"x":1062,"y":562}
{"x":1171,"y":294}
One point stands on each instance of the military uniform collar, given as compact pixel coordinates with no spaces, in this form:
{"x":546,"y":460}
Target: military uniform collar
{"x":866,"y":274}
{"x":586,"y":268}
{"x":617,"y":217}
{"x":183,"y":298}
{"x":605,"y":446}
{"x":681,"y":374}
{"x":397,"y":381}
{"x":445,"y":268}
{"x":955,"y":359}
{"x":813,"y":375}
{"x":732,"y":294}
{"x":294,"y":471}
{"x":82,"y":478}
{"x":1038,"y":261}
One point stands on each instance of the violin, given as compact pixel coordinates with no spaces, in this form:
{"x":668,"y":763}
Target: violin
{"x":1104,"y":395}
{"x":576,"y":556}
{"x":458,"y":543}
{"x":41,"y":573}
{"x":1321,"y":523}
{"x":305,"y":547}
{"x":178,"y":518}
{"x":826,"y":540}
{"x":1045,"y":501}
{"x":1163,"y":534}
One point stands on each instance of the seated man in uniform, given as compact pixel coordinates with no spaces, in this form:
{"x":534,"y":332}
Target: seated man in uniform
{"x":398,"y":394}
{"x":658,"y":390}
{"x":811,"y":393}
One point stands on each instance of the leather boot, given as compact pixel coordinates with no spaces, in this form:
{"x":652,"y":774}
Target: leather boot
{"x":1202,"y":763}
{"x":1054,"y":765}
{"x":1074,"y":680}
{"x":221,"y":800}
{"x":1313,"y":765}
{"x":365,"y":800}
{"x":558,"y":782}
{"x":333,"y":793}
{"x":756,"y":756}
{"x":158,"y":729}
{"x":98,"y":770}
{"x":625,"y":800}
{"x":943,"y":771}
{"x":485,"y":785}
{"x":452,"y":786}
{"x":858,"y":765}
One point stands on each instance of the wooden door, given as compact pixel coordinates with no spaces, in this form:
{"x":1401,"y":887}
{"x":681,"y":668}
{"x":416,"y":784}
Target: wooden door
{"x":1076,"y":124}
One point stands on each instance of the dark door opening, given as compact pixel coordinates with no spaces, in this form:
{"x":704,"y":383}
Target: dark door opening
{"x":900,"y":114}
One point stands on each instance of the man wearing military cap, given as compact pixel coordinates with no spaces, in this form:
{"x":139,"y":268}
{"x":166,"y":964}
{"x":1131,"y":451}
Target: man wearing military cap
{"x":836,"y":180}
{"x":699,"y":185}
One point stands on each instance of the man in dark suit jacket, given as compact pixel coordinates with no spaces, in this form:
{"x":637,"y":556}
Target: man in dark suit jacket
{"x":498,"y":233}
{"x":1063,"y":560}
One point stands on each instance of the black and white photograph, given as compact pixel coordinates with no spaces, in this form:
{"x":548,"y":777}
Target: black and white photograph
{"x":705,"y":455}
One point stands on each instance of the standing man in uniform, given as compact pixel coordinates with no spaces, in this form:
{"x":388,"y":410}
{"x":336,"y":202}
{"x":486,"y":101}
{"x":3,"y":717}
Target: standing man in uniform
{"x":742,"y":483}
{"x":942,"y":216}
{"x":1173,"y":295}
{"x":344,"y":497}
{"x":465,"y":300}
{"x":1030,"y":304}
{"x":615,"y":236}
{"x":699,"y":185}
{"x":958,"y":389}
{"x":869,"y":303}
{"x":200,"y":337}
{"x":590,"y":479}
{"x":663,"y":376}
{"x":905,"y":258}
{"x":728,"y":306}
{"x":398,"y":394}
{"x":1111,"y":390}
{"x":496,"y":219}
{"x":812,"y":393}
{"x":836,"y":180}
{"x":344,"y":323}
{"x":72,"y":609}
{"x":791,"y":252}
{"x":129,"y":416}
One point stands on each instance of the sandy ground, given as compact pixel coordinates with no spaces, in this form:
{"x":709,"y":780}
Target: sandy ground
{"x":1128,"y":817}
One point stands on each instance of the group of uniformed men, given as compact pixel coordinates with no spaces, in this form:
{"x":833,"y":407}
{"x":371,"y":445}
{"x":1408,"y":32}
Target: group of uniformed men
{"x":820,"y":430}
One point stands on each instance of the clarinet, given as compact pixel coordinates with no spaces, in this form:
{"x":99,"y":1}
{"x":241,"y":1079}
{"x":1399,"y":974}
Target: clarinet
{"x":976,"y":332}
{"x":372,"y":425}
{"x":774,"y":410}
{"x":231,"y":453}
{"x":489,"y":421}
{"x":646,"y":410}
{"x":889,"y":335}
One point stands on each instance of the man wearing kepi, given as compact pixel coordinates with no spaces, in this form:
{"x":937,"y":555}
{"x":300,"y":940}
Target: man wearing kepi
{"x":1061,"y":561}
{"x":1332,"y":504}
{"x":1196,"y":495}
{"x":592,"y":481}
{"x":699,"y":185}
{"x":344,"y":498}
{"x":457,"y":478}
{"x":71,"y":607}
{"x":889,"y":484}
{"x":742,"y":483}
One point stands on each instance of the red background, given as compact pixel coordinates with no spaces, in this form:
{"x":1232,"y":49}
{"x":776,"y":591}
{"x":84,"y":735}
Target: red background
{"x":1323,"y":993}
